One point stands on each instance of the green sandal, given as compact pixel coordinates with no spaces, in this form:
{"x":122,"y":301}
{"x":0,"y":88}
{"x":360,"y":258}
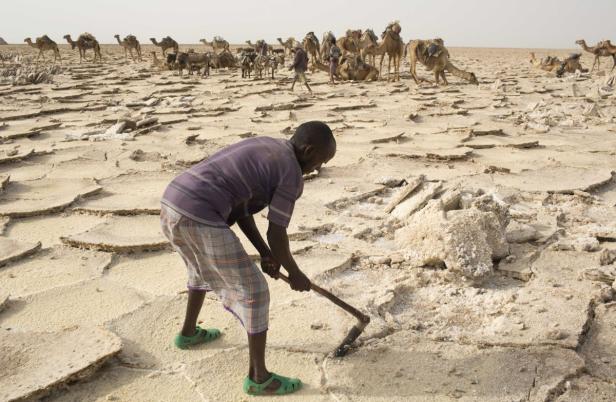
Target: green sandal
{"x":287,"y":386}
{"x":201,"y":336}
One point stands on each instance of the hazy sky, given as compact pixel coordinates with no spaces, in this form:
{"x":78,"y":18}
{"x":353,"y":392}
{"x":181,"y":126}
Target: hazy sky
{"x":485,"y":23}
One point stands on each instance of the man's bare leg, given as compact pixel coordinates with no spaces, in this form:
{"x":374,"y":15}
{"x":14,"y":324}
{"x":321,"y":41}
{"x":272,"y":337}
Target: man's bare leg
{"x":193,"y":308}
{"x":257,"y":371}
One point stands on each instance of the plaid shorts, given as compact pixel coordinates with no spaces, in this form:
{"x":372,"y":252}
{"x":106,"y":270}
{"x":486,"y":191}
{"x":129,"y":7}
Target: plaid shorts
{"x":216,"y":261}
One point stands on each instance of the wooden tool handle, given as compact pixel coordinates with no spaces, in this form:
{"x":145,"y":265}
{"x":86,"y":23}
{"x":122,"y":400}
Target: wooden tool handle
{"x":338,"y":302}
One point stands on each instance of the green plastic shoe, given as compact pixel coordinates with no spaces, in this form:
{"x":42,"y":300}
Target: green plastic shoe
{"x":287,"y":386}
{"x":201,"y":336}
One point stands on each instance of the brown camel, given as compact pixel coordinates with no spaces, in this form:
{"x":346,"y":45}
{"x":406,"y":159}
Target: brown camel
{"x":224,"y":59}
{"x":607,"y":44}
{"x":84,"y":42}
{"x":166,"y":43}
{"x":217,"y":43}
{"x":43,"y":44}
{"x":570,"y":65}
{"x":369,"y":46}
{"x":352,"y":68}
{"x":435,"y":57}
{"x":129,"y":43}
{"x":288,"y":44}
{"x":393,"y":47}
{"x":326,"y":44}
{"x":241,"y":50}
{"x":598,"y":51}
{"x":350,"y":42}
{"x":312,"y":47}
{"x":548,"y":64}
{"x":261,"y":47}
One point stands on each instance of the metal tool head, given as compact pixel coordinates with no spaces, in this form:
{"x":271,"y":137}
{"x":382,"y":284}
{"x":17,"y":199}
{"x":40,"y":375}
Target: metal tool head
{"x":352,"y":336}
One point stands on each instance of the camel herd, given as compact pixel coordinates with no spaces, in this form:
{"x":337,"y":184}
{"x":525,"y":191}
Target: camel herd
{"x":572,"y":63}
{"x":360,"y":50}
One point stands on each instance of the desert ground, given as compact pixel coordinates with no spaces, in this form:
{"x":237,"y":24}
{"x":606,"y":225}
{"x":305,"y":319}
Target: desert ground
{"x":474,"y":224}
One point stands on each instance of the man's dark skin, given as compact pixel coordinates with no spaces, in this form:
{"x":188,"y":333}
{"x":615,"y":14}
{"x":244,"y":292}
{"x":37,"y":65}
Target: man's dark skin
{"x":310,"y":158}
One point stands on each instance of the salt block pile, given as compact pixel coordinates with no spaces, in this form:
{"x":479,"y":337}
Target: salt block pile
{"x":465,"y":240}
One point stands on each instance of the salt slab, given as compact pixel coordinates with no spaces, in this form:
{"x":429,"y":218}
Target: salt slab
{"x":122,"y":234}
{"x":34,"y":364}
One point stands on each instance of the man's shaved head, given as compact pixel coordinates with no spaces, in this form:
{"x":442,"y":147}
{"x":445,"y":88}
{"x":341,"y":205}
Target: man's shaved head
{"x":314,"y":145}
{"x":314,"y":133}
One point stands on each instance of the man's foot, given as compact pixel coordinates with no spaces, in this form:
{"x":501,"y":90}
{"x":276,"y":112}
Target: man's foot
{"x":275,"y":385}
{"x":201,"y":336}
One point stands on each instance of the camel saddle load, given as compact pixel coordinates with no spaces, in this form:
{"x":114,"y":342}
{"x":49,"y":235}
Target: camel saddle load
{"x":434,"y":49}
{"x":394,"y":29}
{"x":88,"y":37}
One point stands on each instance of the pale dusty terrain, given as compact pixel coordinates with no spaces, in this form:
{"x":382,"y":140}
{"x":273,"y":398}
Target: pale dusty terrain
{"x":91,"y":295}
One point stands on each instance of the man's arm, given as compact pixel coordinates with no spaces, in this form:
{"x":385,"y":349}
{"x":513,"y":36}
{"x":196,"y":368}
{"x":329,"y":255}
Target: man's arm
{"x":268,"y":264}
{"x":279,"y":244}
{"x":249,"y":228}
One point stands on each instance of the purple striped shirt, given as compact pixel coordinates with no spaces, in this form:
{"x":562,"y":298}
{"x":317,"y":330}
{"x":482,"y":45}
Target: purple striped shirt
{"x":238,"y":181}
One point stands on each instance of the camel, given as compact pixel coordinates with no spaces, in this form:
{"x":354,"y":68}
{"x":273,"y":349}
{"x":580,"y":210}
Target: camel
{"x":288,"y":44}
{"x":369,"y":46}
{"x":435,"y":57}
{"x":261,"y":47}
{"x":548,"y":64}
{"x":393,"y":47}
{"x":217,"y":43}
{"x":352,"y":68}
{"x":570,"y":65}
{"x":84,"y":42}
{"x":241,"y":50}
{"x":312,"y":47}
{"x":350,"y":42}
{"x":607,"y":44}
{"x":598,"y":51}
{"x":326,"y":44}
{"x":224,"y":59}
{"x":43,"y":44}
{"x":129,"y":43}
{"x":166,"y":43}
